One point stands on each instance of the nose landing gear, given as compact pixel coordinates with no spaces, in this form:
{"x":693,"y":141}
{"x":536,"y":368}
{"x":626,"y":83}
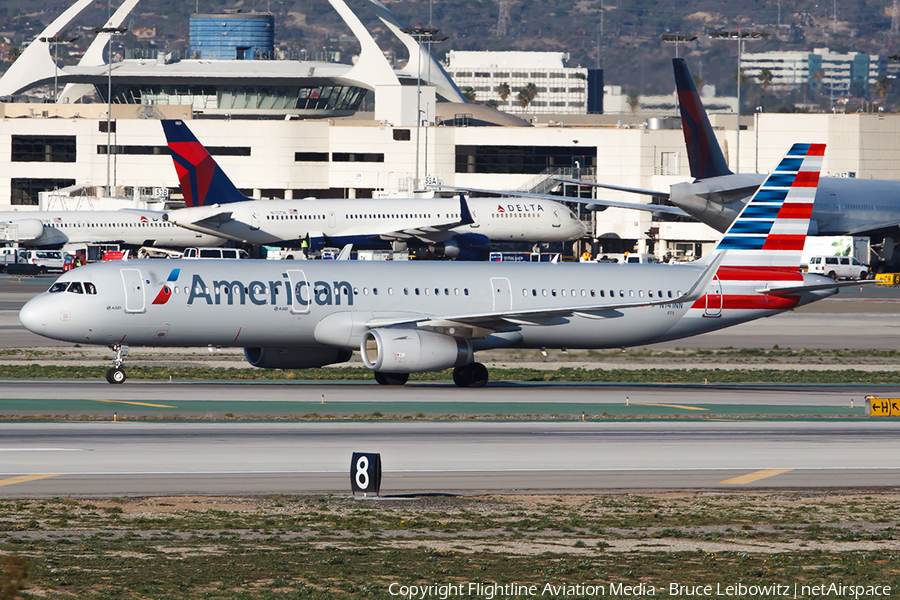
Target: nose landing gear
{"x":117,"y":374}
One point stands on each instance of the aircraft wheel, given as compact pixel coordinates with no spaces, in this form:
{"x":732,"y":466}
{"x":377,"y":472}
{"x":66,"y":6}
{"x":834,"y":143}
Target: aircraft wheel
{"x":391,"y":378}
{"x":474,"y":375}
{"x":115,"y":375}
{"x":832,"y":275}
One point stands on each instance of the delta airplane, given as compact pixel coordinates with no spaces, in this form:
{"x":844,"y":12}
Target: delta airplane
{"x":844,"y":206}
{"x":410,"y":317}
{"x":457,"y":228}
{"x":128,"y":227}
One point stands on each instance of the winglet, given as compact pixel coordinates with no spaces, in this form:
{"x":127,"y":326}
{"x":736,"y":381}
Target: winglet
{"x":698,"y":290}
{"x":704,"y":154}
{"x":344,"y":254}
{"x":465,"y":216}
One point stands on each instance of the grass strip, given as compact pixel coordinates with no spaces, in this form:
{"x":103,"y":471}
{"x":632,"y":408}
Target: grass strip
{"x":565,"y":374}
{"x":335,"y":547}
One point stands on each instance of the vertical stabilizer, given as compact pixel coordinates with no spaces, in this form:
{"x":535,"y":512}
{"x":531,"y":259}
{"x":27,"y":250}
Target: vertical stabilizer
{"x":771,"y":230}
{"x":202,"y":180}
{"x":704,"y":153}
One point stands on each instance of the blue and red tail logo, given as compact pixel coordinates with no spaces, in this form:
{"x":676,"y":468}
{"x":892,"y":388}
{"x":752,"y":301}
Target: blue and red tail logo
{"x":200,"y":176}
{"x":166,"y":292}
{"x":704,"y":154}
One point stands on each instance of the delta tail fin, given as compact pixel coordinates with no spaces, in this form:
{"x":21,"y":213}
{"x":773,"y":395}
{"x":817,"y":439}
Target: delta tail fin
{"x":704,"y":153}
{"x":770,"y":231}
{"x":202,"y":180}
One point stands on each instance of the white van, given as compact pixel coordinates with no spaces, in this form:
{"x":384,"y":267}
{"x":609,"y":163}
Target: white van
{"x":838,"y":267}
{"x":45,"y":260}
{"x":215,"y":253}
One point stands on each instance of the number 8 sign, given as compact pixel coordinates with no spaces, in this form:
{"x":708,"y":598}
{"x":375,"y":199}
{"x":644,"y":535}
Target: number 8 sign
{"x":365,"y":473}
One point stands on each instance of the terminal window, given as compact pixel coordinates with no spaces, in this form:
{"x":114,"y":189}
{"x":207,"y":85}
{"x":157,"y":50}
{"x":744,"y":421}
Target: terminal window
{"x":43,"y":148}
{"x":25,"y":191}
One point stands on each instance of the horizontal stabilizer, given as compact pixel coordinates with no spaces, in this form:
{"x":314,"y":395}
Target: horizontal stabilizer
{"x":798,"y":289}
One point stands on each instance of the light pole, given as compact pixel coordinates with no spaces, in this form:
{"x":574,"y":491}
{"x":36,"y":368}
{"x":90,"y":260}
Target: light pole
{"x":56,"y":41}
{"x":676,"y":39}
{"x":740,"y":35}
{"x":427,"y":35}
{"x":111,"y":31}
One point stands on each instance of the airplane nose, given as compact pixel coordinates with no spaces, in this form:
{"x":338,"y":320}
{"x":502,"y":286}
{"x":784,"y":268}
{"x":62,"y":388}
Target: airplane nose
{"x":32,"y":317}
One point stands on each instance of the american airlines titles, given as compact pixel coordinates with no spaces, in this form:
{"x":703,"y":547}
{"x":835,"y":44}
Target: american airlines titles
{"x":274,"y":293}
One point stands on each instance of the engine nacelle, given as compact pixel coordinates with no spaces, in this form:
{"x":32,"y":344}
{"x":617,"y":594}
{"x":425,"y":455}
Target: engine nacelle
{"x":413,"y":351}
{"x":295,"y":358}
{"x":467,"y":246}
{"x":21,"y":230}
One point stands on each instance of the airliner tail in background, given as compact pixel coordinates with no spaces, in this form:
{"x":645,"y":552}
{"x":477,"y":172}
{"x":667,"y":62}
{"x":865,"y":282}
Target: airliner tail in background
{"x":202,"y":180}
{"x":704,"y":153}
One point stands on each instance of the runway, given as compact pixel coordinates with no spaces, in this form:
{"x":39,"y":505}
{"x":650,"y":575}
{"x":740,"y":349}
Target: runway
{"x":110,"y":459}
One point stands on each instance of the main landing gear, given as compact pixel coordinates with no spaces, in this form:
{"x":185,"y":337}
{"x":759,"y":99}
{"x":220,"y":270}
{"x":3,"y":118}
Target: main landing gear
{"x":117,"y":374}
{"x":474,"y":375}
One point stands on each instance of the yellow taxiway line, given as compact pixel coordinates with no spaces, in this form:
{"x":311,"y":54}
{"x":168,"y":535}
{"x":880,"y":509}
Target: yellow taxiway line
{"x":135,"y":403}
{"x":26,"y":478}
{"x":756,"y":476}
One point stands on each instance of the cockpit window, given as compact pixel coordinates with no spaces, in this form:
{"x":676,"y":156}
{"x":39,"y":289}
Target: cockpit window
{"x":90,"y":288}
{"x":59,"y":286}
{"x":76,"y":288}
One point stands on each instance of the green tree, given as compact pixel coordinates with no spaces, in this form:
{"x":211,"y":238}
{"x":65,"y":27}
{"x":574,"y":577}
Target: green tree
{"x":469,"y":94}
{"x":503,"y":91}
{"x":765,"y":78}
{"x":527,"y":94}
{"x":882,"y":88}
{"x":633,"y":101}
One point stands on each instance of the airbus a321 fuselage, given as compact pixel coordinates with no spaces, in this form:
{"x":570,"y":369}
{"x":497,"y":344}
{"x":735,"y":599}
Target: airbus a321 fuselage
{"x":414,"y":317}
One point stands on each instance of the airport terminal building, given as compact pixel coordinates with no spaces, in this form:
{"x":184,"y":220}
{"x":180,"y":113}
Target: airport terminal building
{"x":335,"y":150}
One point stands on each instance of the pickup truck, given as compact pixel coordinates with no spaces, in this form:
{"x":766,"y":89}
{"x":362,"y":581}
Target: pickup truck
{"x":838,"y":267}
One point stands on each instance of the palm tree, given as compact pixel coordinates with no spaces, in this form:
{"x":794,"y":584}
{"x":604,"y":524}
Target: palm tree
{"x":503,"y":91}
{"x":527,"y":94}
{"x":765,"y":78}
{"x":633,"y":101}
{"x":882,"y":86}
{"x":469,"y":94}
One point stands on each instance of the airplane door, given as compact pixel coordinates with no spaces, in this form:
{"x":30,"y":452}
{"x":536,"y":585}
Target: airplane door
{"x":254,"y":219}
{"x":502,"y":294}
{"x":556,"y":220}
{"x":134,"y":290}
{"x":714,"y":299}
{"x":301,"y":292}
{"x":331,"y":219}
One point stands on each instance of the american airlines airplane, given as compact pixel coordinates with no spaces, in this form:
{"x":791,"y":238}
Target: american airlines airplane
{"x":411,"y":317}
{"x":128,"y":227}
{"x":456,"y":227}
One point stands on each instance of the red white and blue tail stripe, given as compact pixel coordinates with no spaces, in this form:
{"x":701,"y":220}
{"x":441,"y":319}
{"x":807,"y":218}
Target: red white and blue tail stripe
{"x":771,"y":230}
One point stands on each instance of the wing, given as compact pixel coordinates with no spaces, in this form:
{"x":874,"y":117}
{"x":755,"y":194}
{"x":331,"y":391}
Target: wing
{"x":433,"y":233}
{"x":214,"y":221}
{"x":618,"y":188}
{"x":482,"y":324}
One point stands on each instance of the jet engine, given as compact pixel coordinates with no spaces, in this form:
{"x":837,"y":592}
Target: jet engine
{"x":21,"y":230}
{"x":413,"y":351}
{"x":467,"y":246}
{"x":295,"y":358}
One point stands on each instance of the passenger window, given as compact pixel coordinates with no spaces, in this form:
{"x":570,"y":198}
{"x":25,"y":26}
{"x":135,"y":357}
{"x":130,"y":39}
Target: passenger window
{"x":75,"y":287}
{"x":553,"y":293}
{"x":406,"y":291}
{"x":563,"y":293}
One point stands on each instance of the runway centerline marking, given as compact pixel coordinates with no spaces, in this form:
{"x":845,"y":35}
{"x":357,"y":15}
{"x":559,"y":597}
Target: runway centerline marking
{"x":755,"y":476}
{"x":134,"y":403}
{"x":668,"y":405}
{"x":26,"y":478}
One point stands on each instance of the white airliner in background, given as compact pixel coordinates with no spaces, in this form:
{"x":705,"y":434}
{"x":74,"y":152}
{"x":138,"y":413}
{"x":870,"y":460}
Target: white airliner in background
{"x":410,"y":317}
{"x":128,"y":227}
{"x":455,"y":227}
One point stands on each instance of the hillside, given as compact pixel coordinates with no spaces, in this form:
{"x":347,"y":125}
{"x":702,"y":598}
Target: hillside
{"x":621,"y":37}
